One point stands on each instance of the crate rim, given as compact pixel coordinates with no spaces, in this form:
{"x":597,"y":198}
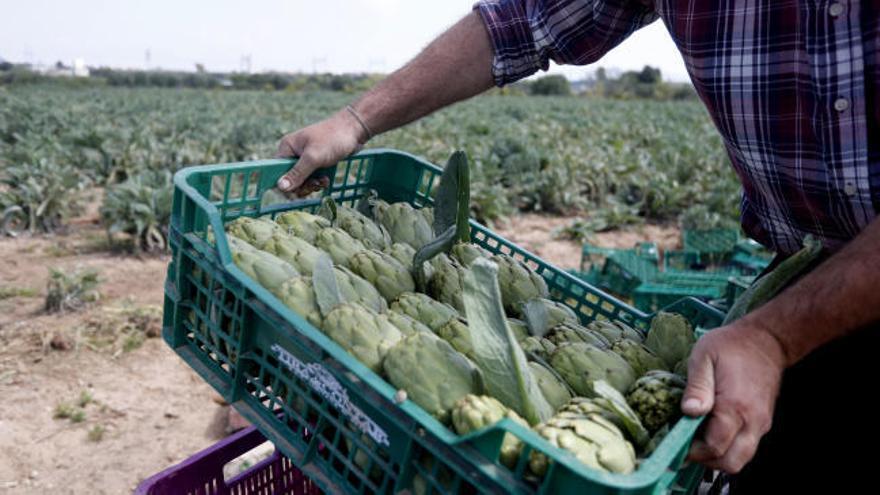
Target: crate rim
{"x":649,"y":471}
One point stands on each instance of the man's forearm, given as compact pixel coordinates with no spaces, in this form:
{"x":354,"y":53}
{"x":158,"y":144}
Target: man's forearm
{"x":839,"y":296}
{"x":455,"y":66}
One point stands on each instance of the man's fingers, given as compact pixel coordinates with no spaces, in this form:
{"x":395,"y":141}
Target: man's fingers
{"x":739,"y":454}
{"x":720,"y":433}
{"x":296,"y":176}
{"x":699,"y":396}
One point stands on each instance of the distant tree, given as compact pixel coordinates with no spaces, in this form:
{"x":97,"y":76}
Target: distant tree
{"x":649,"y":75}
{"x":551,"y":85}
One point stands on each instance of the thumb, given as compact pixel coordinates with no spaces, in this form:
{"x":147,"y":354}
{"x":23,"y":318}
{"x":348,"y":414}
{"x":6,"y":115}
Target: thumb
{"x":296,"y":176}
{"x":699,"y":396}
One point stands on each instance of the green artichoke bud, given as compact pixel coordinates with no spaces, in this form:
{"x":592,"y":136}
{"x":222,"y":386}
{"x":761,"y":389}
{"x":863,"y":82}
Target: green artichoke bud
{"x":466,"y":253}
{"x":446,"y":284}
{"x":542,"y":315}
{"x":433,"y":374}
{"x":404,"y":223}
{"x":681,"y":368}
{"x":554,"y":390}
{"x":638,"y":356}
{"x":517,"y":282}
{"x":519,"y":328}
{"x":473,"y":412}
{"x":539,"y":346}
{"x":339,"y":245}
{"x":566,"y":333}
{"x":428,"y":213}
{"x":592,"y":439}
{"x":355,"y":289}
{"x":656,"y":397}
{"x":302,"y":224}
{"x":402,"y":252}
{"x":362,"y":228}
{"x":671,"y":337}
{"x":293,"y":250}
{"x":267,"y":270}
{"x":422,"y":308}
{"x":255,"y":231}
{"x":298,"y":295}
{"x":383,"y":271}
{"x":581,"y":364}
{"x":406,"y":324}
{"x":614,"y":331}
{"x":457,"y":333}
{"x":364,"y":333}
{"x":610,"y":404}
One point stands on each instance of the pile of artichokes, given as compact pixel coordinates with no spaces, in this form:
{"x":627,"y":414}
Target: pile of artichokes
{"x":361,"y":276}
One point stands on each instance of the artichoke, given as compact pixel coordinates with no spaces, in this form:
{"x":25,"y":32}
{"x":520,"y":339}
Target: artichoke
{"x":592,"y":439}
{"x":302,"y":224}
{"x":473,"y":412}
{"x":681,"y":368}
{"x":670,"y":337}
{"x":418,"y":306}
{"x":542,"y":314}
{"x":616,"y":331}
{"x":539,"y":346}
{"x":433,"y":374}
{"x":656,"y":397}
{"x":339,"y":245}
{"x":566,"y":333}
{"x":404,"y":223}
{"x":517,"y":282}
{"x":402,"y":252}
{"x":445,"y":284}
{"x":554,"y":390}
{"x":362,"y":332}
{"x":293,"y":250}
{"x":519,"y":328}
{"x":638,"y":356}
{"x":405,"y":323}
{"x":457,"y":333}
{"x":384,"y":272}
{"x":355,"y":289}
{"x":256,"y":231}
{"x":581,"y":364}
{"x":269,"y":271}
{"x":298,"y":295}
{"x":611,"y":404}
{"x":466,"y":253}
{"x":362,"y":228}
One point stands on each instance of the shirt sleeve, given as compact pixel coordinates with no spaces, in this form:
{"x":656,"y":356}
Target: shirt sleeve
{"x":527,"y":34}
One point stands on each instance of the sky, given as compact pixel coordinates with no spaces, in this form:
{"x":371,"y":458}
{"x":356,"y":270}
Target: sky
{"x":284,"y":35}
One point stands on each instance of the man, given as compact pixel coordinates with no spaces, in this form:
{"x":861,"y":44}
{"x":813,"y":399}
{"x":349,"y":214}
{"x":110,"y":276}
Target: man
{"x":792,"y":87}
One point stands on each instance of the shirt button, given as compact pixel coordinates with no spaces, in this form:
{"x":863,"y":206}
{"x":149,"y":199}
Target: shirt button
{"x":841,"y":104}
{"x":835,"y":9}
{"x":849,"y":188}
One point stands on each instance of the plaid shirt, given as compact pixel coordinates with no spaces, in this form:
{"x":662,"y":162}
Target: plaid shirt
{"x":792,"y":85}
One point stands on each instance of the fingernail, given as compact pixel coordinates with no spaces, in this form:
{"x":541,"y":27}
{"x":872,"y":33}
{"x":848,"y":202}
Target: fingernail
{"x":692,"y":404}
{"x":284,"y":183}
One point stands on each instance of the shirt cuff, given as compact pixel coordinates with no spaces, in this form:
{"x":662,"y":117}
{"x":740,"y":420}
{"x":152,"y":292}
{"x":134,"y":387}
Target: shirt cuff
{"x":510,"y":31}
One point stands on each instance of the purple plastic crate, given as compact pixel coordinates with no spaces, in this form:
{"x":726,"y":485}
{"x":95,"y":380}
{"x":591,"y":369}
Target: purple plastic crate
{"x":202,"y":474}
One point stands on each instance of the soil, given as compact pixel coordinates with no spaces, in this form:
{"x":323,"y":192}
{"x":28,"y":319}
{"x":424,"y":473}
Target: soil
{"x":143,"y":409}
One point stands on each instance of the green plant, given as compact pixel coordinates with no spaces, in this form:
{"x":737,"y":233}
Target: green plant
{"x":140,"y":207}
{"x":71,"y":291}
{"x":37,"y":196}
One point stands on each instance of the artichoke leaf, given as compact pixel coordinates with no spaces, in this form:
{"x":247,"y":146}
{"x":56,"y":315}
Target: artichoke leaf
{"x":327,"y":292}
{"x":613,"y":400}
{"x":506,"y":373}
{"x":452,"y":203}
{"x":441,"y":244}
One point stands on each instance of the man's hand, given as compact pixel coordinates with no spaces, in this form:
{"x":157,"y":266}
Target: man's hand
{"x":734,"y":372}
{"x":319,"y":145}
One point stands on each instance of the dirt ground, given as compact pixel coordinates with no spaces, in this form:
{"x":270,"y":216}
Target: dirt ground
{"x":130,"y":412}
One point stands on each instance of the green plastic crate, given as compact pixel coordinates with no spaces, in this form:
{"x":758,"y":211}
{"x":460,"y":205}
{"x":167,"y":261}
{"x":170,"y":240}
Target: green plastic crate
{"x":710,"y":241}
{"x":333,"y":417}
